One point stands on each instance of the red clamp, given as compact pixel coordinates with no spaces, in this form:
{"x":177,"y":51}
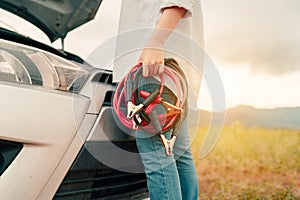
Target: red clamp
{"x":171,"y":109}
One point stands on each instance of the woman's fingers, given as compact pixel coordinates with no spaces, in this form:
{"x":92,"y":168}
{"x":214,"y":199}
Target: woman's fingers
{"x":145,"y":70}
{"x":152,"y":69}
{"x":152,"y":60}
{"x":161,"y":68}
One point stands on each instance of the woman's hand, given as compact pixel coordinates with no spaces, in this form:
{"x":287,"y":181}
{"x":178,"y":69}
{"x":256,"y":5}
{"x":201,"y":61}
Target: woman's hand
{"x":152,"y":60}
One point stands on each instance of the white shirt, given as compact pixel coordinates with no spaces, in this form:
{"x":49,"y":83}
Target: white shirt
{"x":137,"y":21}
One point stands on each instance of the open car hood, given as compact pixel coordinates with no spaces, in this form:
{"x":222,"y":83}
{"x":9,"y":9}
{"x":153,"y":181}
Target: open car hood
{"x":54,"y":17}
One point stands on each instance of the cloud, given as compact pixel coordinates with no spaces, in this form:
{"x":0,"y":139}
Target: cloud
{"x":262,"y":33}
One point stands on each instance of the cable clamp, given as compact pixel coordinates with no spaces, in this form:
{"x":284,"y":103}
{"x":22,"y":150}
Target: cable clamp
{"x":168,"y":144}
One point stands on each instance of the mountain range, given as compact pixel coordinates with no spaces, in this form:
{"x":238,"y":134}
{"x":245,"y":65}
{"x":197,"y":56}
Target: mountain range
{"x":288,"y":118}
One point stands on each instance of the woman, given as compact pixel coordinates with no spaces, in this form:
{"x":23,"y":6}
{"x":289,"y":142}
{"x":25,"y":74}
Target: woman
{"x":168,"y":177}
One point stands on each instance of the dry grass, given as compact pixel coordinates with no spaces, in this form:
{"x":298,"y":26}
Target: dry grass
{"x":251,"y":163}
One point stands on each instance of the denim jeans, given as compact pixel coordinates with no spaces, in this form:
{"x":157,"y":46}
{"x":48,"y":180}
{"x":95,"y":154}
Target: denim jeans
{"x":168,"y":177}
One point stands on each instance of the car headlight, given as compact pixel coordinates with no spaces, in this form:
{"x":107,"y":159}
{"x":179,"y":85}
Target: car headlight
{"x":20,"y":64}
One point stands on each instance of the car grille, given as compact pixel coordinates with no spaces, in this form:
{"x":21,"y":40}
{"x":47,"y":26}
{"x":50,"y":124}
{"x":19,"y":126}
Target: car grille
{"x":90,"y":179}
{"x":101,"y":185}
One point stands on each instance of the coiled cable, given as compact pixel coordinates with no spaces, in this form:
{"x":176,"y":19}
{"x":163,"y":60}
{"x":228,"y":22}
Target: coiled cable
{"x":129,"y":90}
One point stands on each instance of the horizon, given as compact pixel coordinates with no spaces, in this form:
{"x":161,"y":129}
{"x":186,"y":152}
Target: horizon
{"x":252,"y":107}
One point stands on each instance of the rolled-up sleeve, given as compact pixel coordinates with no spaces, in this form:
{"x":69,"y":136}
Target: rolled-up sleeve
{"x":186,"y":4}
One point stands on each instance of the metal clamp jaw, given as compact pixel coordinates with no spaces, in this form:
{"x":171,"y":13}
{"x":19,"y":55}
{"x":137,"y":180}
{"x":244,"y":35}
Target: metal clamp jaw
{"x":168,"y":144}
{"x":133,"y":110}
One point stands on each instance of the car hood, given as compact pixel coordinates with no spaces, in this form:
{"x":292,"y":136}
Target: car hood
{"x":54,"y":17}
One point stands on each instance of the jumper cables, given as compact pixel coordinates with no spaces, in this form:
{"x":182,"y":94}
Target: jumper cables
{"x":142,"y":105}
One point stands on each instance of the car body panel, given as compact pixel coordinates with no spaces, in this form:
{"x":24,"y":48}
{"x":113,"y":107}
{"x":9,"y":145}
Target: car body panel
{"x":68,"y":158}
{"x":46,"y":122}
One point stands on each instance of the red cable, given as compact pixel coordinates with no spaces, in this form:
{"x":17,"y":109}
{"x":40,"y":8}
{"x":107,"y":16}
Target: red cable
{"x":120,"y":96}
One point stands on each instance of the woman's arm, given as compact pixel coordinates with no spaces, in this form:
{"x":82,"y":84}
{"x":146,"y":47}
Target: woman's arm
{"x":152,"y":56}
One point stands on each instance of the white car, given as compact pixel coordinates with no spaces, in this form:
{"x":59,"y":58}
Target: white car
{"x":58,"y":136}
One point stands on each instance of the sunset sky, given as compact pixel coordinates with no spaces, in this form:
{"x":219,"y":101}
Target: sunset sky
{"x":256,"y":47}
{"x":254,"y":44}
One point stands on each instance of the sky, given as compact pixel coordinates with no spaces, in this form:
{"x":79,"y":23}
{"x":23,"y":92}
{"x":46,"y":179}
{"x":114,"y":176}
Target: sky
{"x":256,"y":47}
{"x":254,"y":44}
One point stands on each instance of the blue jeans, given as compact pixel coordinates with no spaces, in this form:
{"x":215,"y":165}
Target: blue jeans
{"x":168,"y":177}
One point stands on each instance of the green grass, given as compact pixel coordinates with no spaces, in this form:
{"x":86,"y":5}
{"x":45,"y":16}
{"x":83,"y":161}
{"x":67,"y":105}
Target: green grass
{"x":251,"y":163}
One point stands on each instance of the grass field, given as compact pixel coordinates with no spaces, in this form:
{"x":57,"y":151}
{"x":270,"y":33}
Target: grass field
{"x":251,"y":163}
